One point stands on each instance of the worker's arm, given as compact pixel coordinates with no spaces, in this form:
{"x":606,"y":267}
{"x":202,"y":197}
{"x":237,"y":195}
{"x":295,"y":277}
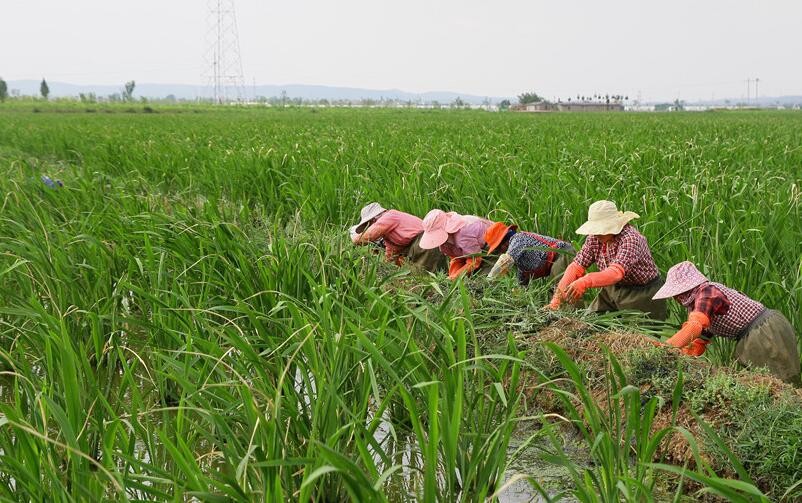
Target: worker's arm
{"x":690,"y":331}
{"x":607,"y":277}
{"x":374,"y":232}
{"x":697,"y":347}
{"x":463,"y":265}
{"x":392,"y":255}
{"x":572,"y":273}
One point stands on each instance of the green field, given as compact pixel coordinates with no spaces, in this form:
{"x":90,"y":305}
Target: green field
{"x":186,"y":317}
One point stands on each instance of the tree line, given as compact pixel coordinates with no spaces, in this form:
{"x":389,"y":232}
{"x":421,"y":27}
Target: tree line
{"x":126,"y":94}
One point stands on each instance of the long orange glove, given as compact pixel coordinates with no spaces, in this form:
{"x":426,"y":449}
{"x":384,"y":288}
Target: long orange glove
{"x":697,"y":347}
{"x":690,"y":331}
{"x":607,"y":277}
{"x":462,"y":265}
{"x":572,"y":273}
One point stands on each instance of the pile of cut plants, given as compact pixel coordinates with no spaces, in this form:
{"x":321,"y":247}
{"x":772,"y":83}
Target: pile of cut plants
{"x":737,"y":416}
{"x":728,"y":422}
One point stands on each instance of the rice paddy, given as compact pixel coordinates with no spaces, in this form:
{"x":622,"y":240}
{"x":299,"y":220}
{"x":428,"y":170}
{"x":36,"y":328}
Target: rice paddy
{"x":186,"y":318}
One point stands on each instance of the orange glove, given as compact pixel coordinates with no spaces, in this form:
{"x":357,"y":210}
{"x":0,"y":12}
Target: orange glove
{"x":697,"y":347}
{"x":572,"y":273}
{"x":690,"y":331}
{"x":462,"y":265}
{"x":607,"y":277}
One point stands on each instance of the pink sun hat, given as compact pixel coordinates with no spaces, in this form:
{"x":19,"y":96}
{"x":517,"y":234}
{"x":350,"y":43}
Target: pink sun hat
{"x":456,"y":221}
{"x":436,"y":225}
{"x":681,"y":278}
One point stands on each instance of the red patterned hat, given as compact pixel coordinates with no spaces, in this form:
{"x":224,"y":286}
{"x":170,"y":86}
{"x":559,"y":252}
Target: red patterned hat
{"x":681,"y":278}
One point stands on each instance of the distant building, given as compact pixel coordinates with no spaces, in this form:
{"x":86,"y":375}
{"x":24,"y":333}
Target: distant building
{"x":579,"y":106}
{"x":538,"y":106}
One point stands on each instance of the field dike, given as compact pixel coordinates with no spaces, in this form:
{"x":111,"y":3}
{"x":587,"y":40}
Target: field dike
{"x":727,"y":422}
{"x":758,"y":417}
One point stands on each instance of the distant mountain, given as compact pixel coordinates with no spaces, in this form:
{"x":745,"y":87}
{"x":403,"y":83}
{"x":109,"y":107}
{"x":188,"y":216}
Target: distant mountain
{"x":309,"y":92}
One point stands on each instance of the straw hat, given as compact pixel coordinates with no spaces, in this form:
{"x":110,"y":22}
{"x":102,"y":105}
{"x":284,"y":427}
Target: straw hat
{"x":604,"y":218}
{"x":367,"y":214}
{"x":681,"y":278}
{"x":495,"y":235}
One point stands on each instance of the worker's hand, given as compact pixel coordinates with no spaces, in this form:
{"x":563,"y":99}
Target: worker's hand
{"x":501,"y":266}
{"x":576,"y":290}
{"x":696,"y":348}
{"x":556,"y":300}
{"x":677,"y":341}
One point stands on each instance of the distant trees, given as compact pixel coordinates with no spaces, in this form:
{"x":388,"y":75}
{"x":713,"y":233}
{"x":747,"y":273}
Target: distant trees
{"x":457,"y":103}
{"x":128,"y":91}
{"x":598,"y":98}
{"x":504,"y":105}
{"x":532,"y":97}
{"x":3,"y":90}
{"x":87,"y":97}
{"x":44,"y":89}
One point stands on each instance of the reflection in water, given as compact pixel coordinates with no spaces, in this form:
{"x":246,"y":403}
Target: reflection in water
{"x":406,"y":484}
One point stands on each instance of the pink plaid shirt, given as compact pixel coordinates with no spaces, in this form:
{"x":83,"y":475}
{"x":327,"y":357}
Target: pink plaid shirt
{"x":726,"y":320}
{"x":629,"y":249}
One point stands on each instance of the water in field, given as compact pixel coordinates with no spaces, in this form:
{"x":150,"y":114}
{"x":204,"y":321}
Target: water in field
{"x":406,"y":485}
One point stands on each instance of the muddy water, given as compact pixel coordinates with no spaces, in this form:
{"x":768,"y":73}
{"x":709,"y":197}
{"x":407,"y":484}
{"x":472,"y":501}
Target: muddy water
{"x":528,"y":462}
{"x":407,"y":483}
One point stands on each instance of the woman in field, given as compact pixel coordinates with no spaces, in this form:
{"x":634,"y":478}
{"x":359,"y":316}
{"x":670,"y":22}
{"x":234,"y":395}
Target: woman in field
{"x":628,"y":276}
{"x":534,"y":256}
{"x":461,"y":238}
{"x":400,"y":233}
{"x":765,"y":337}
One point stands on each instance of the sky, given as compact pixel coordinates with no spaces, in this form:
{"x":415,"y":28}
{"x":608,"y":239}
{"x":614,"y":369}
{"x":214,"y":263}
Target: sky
{"x":683,"y":49}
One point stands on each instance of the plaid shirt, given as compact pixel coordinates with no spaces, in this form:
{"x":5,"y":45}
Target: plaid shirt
{"x":730,"y":311}
{"x":629,"y":249}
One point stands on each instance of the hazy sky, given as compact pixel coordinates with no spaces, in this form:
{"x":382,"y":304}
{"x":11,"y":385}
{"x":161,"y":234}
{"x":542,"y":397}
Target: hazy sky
{"x":662,"y":49}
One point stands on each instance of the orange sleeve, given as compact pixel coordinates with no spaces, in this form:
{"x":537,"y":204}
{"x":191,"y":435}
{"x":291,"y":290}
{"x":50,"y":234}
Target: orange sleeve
{"x":455,"y":265}
{"x":607,"y":277}
{"x":691,"y":330}
{"x":573,"y":272}
{"x":462,"y":265}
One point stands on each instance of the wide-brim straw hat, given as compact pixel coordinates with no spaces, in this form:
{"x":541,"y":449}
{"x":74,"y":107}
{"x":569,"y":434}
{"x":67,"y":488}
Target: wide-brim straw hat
{"x":604,"y":218}
{"x":495,"y":234}
{"x":367,"y":214}
{"x":681,"y":278}
{"x":434,"y":229}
